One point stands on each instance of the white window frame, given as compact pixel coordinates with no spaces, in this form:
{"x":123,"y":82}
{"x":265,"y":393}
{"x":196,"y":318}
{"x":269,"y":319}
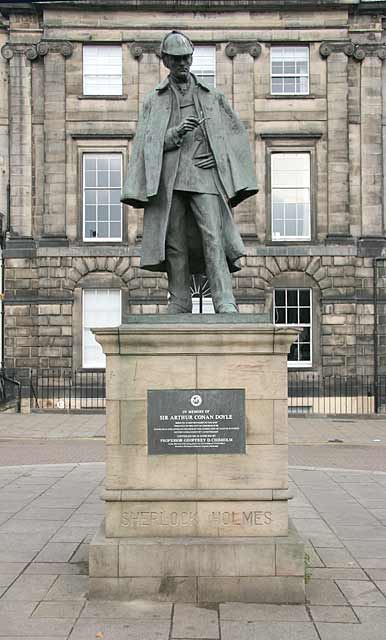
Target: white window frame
{"x":96,"y":60}
{"x":84,"y":328}
{"x":283,"y":48}
{"x":298,"y":364}
{"x":100,"y":154}
{"x":204,"y":63}
{"x":290,"y":238}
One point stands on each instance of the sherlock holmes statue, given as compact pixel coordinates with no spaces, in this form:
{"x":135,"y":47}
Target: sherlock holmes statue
{"x":190,"y":164}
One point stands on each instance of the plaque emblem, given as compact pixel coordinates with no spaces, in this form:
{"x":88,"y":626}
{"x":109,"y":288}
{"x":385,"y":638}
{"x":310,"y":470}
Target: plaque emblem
{"x":196,"y":400}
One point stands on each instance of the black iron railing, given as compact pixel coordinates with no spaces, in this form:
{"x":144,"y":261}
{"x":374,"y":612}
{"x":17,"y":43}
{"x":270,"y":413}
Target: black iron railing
{"x":55,"y":390}
{"x":308,"y":393}
{"x":359,"y":395}
{"x":10,"y":391}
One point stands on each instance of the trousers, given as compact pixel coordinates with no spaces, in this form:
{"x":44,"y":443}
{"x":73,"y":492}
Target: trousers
{"x":206,"y":209}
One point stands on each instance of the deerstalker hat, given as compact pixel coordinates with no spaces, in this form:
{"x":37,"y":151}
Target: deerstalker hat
{"x":176,"y":43}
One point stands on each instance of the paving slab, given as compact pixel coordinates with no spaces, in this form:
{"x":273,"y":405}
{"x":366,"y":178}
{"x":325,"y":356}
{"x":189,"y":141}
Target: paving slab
{"x":343,"y":631}
{"x":57,"y":552}
{"x":135,"y":610}
{"x":89,"y":630}
{"x":338,"y":573}
{"x":67,"y":587}
{"x":333,"y":614}
{"x":270,"y":630}
{"x":263,"y":612}
{"x":324,"y":592}
{"x":336,"y":557}
{"x":30,"y":587}
{"x":59,"y":568}
{"x":68,"y":610}
{"x":362,"y":593}
{"x":195,"y":622}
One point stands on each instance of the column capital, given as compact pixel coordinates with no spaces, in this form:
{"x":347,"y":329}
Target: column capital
{"x":38,"y":50}
{"x":239,"y":46}
{"x":138,"y":48}
{"x":353,"y":50}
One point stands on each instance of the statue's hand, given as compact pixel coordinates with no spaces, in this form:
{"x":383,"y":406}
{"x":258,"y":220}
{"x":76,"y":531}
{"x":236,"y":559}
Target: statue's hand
{"x":188,"y":124}
{"x":206,"y":163}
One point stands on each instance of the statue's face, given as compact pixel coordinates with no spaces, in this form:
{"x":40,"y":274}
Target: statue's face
{"x":179,"y":66}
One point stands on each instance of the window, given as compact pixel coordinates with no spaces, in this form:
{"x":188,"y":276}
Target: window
{"x":289,"y":70}
{"x":102,"y":209}
{"x":293,"y":307}
{"x":204,"y":64}
{"x":101,"y":308}
{"x":290,"y":196}
{"x":102,"y":70}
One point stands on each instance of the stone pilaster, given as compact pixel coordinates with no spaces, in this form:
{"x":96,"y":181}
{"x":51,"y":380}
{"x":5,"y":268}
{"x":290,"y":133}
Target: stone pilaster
{"x":4,"y":159}
{"x":243,"y":101}
{"x":354,"y":141}
{"x":55,"y":153}
{"x":338,"y":175}
{"x":371,"y":147}
{"x":20,"y":144}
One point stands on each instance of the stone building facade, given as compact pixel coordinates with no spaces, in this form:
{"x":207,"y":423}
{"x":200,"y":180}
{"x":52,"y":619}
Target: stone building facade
{"x":308,"y":80}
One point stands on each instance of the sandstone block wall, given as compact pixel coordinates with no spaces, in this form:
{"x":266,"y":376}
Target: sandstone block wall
{"x":341,"y":124}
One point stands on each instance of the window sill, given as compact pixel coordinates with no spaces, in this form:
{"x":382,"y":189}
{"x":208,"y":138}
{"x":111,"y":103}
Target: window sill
{"x":284,"y":241}
{"x":290,"y":96}
{"x":299,"y":367}
{"x":103,"y":97}
{"x":102,"y":241}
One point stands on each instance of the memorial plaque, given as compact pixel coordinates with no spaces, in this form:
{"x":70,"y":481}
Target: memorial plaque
{"x":183,"y":421}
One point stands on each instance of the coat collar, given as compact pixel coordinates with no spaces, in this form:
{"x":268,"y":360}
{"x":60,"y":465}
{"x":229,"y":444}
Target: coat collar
{"x":165,"y":84}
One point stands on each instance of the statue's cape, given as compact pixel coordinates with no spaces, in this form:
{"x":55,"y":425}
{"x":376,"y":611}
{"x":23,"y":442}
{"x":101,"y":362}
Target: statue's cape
{"x":146,"y":187}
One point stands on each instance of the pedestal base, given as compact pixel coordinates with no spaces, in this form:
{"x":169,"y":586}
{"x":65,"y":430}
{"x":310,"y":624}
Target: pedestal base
{"x":198,"y":569}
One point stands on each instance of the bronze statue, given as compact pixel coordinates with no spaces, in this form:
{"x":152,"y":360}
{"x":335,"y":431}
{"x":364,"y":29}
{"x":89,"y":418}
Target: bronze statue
{"x":190,"y":164}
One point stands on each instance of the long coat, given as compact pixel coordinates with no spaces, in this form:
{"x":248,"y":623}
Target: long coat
{"x":152,"y":172}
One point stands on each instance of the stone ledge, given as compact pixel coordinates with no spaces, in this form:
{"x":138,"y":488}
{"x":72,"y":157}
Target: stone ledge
{"x":152,"y":495}
{"x":206,"y":334}
{"x":198,"y":569}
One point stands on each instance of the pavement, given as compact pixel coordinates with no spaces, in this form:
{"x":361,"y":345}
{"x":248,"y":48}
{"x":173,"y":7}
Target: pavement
{"x":49,"y":512}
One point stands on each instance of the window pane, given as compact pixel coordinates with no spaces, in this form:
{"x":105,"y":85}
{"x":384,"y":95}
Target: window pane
{"x":292,"y":297}
{"x":115,"y":179}
{"x":103,"y":213}
{"x":294,"y":352}
{"x":292,"y":315}
{"x":115,"y":230}
{"x":280,"y":315}
{"x":304,"y":316}
{"x":280,"y":297}
{"x":304,"y":297}
{"x":103,"y":179}
{"x":103,"y":228}
{"x":90,"y":212}
{"x":90,"y":197}
{"x":277,"y":85}
{"x":115,"y":213}
{"x":304,"y":352}
{"x":90,"y":230}
{"x":115,"y":196}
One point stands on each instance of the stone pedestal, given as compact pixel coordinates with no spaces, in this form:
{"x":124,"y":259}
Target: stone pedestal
{"x":199,"y":527}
